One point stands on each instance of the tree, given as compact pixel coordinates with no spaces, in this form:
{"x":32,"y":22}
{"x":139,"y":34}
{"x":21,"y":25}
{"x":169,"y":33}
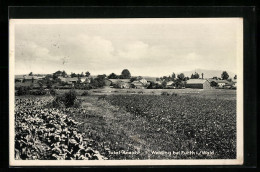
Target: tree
{"x":99,"y":81}
{"x":125,"y":74}
{"x":64,"y":74}
{"x":235,"y":77}
{"x":195,"y":76}
{"x":73,"y":75}
{"x":186,"y":78}
{"x":87,"y":74}
{"x":213,"y":84}
{"x":30,"y":74}
{"x":133,"y":79}
{"x":181,"y":76}
{"x":112,"y":76}
{"x":173,"y":76}
{"x":164,"y":84}
{"x":224,"y":75}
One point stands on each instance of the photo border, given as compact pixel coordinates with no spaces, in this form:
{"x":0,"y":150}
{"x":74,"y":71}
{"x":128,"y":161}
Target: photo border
{"x":17,"y":14}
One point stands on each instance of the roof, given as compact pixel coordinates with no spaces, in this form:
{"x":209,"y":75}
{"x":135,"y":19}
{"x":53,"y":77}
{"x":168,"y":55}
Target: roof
{"x":211,"y":79}
{"x":71,"y":79}
{"x":222,"y":81}
{"x":196,"y":81}
{"x":150,"y":79}
{"x":169,"y":83}
{"x":119,"y":80}
{"x":30,"y":77}
{"x":19,"y":76}
{"x":137,"y":83}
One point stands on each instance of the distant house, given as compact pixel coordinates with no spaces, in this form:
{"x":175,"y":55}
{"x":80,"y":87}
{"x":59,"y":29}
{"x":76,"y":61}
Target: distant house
{"x":19,"y":78}
{"x":137,"y":84}
{"x":72,"y":80}
{"x":27,"y":77}
{"x":62,"y":79}
{"x":198,"y":84}
{"x":120,"y":83}
{"x":222,"y":83}
{"x":108,"y":82}
{"x":170,"y":83}
{"x":235,"y":83}
{"x":84,"y":79}
{"x":144,"y":81}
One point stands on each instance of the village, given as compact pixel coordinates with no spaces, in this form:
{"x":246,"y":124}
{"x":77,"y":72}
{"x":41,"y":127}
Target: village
{"x":61,"y":80}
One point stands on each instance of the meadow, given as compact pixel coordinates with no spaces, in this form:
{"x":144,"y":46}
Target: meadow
{"x":131,"y":124}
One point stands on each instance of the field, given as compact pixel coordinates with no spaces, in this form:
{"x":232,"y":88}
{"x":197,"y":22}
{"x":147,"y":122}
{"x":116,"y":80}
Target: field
{"x":132,"y":124}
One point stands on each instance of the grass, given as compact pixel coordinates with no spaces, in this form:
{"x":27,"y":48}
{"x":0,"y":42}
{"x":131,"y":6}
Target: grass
{"x":211,"y":93}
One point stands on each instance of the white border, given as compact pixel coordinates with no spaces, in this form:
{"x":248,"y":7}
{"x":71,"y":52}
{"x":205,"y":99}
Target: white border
{"x":238,"y":161}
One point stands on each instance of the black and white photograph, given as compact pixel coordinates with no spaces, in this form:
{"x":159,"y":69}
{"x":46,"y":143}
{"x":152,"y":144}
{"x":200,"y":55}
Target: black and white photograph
{"x":128,"y":91}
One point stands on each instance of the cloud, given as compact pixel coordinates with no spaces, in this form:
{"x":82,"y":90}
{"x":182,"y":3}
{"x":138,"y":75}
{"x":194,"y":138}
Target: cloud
{"x":152,"y":49}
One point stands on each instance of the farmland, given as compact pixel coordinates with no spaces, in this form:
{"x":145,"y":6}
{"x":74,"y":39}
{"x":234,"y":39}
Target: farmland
{"x":183,"y":124}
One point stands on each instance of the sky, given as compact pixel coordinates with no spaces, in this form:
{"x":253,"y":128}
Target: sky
{"x":146,"y":47}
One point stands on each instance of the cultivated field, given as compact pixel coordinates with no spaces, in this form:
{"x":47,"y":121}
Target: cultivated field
{"x":130,"y":124}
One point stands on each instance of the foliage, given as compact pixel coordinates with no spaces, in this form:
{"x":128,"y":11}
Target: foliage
{"x":112,"y":76}
{"x":53,"y":92}
{"x":133,"y":79}
{"x":85,"y":93}
{"x":213,"y":84}
{"x":125,"y":74}
{"x":164,"y":84}
{"x":173,"y":76}
{"x":70,"y":98}
{"x":224,"y":75}
{"x":98,"y":82}
{"x":195,"y":76}
{"x":87,"y":74}
{"x":23,"y":91}
{"x":49,"y":134}
{"x":181,"y":76}
{"x":164,"y":93}
{"x":73,"y":75}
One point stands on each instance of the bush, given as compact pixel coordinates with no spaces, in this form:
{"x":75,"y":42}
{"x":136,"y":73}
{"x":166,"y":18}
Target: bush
{"x":23,"y":91}
{"x":174,"y":94}
{"x":140,"y":92}
{"x":165,"y":93}
{"x":85,"y":93}
{"x":68,"y":99}
{"x":53,"y":92}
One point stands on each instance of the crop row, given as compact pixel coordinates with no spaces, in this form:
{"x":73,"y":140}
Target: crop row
{"x":187,"y":123}
{"x":49,"y":133}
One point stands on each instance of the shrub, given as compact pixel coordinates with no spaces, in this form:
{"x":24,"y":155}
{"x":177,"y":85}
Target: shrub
{"x":23,"y":91}
{"x":69,"y":98}
{"x":174,"y":94}
{"x":165,"y":93}
{"x":140,"y":92}
{"x":53,"y":92}
{"x":85,"y":93}
{"x":102,"y":97}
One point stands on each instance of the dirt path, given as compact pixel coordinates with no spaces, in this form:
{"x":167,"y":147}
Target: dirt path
{"x":114,"y":131}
